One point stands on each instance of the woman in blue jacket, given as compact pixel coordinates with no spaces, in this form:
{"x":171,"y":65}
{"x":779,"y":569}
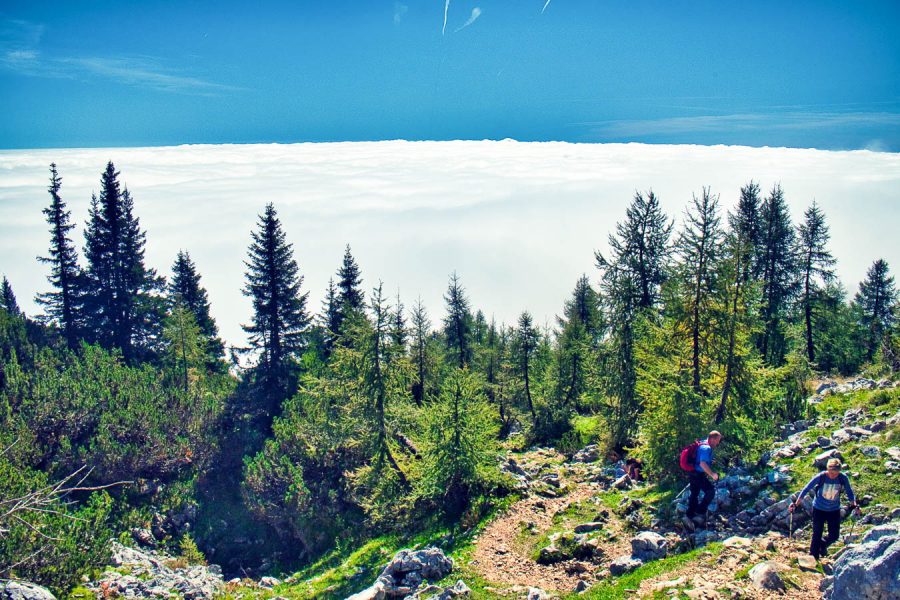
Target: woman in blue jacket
{"x":827,"y":505}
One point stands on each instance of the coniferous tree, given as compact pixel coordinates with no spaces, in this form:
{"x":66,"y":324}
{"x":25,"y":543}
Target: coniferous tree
{"x":747,"y":226}
{"x":580,"y":331}
{"x":63,"y":305}
{"x":330,"y":319}
{"x":350,"y":295}
{"x":458,"y":324}
{"x":185,"y":289}
{"x":735,"y":303}
{"x":779,"y":275}
{"x":398,"y":326}
{"x":122,"y":306}
{"x":816,"y":265}
{"x":279,"y":320}
{"x":421,"y":332}
{"x":875,"y":299}
{"x":631,"y":279}
{"x":639,"y":249}
{"x":8,"y":299}
{"x":525,"y":345}
{"x":698,"y":246}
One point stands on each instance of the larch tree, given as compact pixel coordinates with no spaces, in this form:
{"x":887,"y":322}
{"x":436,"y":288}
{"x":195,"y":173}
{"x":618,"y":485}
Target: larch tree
{"x":524,"y":346}
{"x":698,"y":248}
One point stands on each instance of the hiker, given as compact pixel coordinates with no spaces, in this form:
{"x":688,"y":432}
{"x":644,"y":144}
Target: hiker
{"x":696,"y":460}
{"x":827,"y":505}
{"x":633,"y":468}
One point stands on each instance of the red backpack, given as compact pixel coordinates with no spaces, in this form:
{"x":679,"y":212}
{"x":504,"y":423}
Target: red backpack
{"x":689,"y":456}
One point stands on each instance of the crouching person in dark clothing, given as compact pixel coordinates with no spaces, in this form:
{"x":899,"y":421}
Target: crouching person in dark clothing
{"x":827,"y":506}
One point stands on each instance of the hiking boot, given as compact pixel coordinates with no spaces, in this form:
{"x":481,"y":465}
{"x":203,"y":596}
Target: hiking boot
{"x":688,"y":523}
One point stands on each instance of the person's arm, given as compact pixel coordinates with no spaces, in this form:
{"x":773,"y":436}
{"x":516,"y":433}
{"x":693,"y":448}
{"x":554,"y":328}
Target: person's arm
{"x":708,"y":471}
{"x":804,"y":491}
{"x":850,"y":495}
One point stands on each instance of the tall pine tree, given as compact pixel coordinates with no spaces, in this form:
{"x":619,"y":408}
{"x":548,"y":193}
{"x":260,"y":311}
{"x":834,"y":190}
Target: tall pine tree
{"x":816,"y":264}
{"x":185,"y":289}
{"x":350,"y":295}
{"x":63,"y":305}
{"x":280,"y":319}
{"x":779,"y":274}
{"x":123,"y":308}
{"x":631,"y":280}
{"x":458,"y":324}
{"x":875,"y":301}
{"x":8,"y":299}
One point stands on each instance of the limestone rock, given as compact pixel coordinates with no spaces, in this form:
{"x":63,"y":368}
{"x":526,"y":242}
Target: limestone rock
{"x":624,"y":564}
{"x":648,"y":545}
{"x":869,"y":571}
{"x":23,"y":590}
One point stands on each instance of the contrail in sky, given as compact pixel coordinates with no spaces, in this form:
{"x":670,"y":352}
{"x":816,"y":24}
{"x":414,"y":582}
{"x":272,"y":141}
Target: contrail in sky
{"x":476,"y":12}
{"x":446,"y":9}
{"x":546,"y":4}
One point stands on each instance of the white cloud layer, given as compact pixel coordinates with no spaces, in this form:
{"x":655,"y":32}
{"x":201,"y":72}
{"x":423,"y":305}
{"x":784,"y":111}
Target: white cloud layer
{"x":519,"y":222}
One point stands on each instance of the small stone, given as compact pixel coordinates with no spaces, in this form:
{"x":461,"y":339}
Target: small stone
{"x":588,"y":527}
{"x":765,"y":577}
{"x":624,"y":564}
{"x":806,"y":562}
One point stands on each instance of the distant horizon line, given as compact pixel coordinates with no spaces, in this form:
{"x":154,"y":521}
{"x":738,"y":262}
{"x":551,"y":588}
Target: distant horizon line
{"x":444,"y":141}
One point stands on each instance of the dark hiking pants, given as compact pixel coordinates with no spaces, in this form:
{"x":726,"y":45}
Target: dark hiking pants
{"x":700,"y":483}
{"x":819,"y":547}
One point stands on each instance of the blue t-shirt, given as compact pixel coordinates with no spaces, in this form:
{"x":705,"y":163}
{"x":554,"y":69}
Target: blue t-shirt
{"x":704,"y":454}
{"x":828,"y":494}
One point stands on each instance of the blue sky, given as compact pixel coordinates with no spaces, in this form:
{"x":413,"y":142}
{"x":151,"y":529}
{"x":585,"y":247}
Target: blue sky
{"x":801,"y":74}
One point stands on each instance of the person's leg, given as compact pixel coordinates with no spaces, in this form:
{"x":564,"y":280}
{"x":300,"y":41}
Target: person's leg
{"x":833,"y":518}
{"x":709,"y":494}
{"x":694,"y":497}
{"x":818,"y":522}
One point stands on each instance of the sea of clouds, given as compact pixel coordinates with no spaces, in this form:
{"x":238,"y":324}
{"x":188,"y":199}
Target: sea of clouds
{"x":518,"y":222}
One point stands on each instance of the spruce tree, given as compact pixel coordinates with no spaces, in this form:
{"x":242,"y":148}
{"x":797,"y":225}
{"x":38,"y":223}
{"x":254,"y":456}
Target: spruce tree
{"x":122,"y":306}
{"x":8,"y":299}
{"x":279,"y":319}
{"x":580,"y":331}
{"x":876,"y":298}
{"x":747,"y":226}
{"x":62,"y":306}
{"x":816,"y":265}
{"x":779,"y":274}
{"x":458,"y":324}
{"x":350,"y":295}
{"x":185,"y":290}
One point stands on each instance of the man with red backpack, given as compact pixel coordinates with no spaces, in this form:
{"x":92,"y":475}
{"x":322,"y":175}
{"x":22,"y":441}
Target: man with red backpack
{"x":696,"y":461}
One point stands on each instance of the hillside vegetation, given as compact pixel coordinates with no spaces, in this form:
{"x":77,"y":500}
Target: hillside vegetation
{"x":338,"y":436}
